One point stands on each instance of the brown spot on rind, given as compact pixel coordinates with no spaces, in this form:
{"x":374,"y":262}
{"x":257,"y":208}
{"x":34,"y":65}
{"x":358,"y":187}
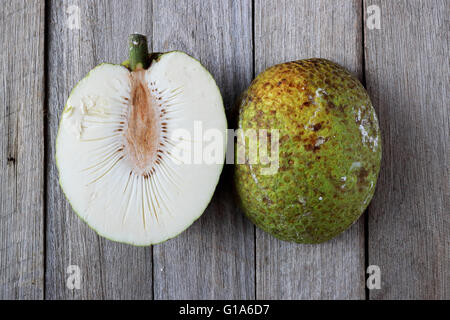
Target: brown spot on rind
{"x":267,"y":201}
{"x":284,"y":138}
{"x":362,"y":176}
{"x":317,"y":126}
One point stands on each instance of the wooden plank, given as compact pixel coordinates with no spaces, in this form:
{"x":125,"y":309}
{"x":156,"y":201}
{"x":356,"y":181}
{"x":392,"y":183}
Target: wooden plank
{"x":214,"y":258}
{"x":109,"y":270}
{"x":407,"y":74}
{"x":22,"y":149}
{"x":292,"y":30}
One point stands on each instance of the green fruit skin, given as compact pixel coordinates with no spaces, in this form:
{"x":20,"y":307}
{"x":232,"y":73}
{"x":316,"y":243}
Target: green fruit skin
{"x":138,"y":52}
{"x":329,"y":151}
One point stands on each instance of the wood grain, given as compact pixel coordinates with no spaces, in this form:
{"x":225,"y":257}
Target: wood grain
{"x":22,"y":150}
{"x":292,"y":30}
{"x":407,"y":74}
{"x":214,"y":258}
{"x":109,"y":270}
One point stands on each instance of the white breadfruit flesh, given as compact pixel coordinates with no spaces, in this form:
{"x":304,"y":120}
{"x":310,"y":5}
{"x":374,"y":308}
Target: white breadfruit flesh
{"x":131,"y":148}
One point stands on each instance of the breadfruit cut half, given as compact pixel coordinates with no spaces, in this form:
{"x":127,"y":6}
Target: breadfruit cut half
{"x":124,"y":142}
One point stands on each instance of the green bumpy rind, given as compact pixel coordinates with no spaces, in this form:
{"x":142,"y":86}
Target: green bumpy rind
{"x":329,"y":151}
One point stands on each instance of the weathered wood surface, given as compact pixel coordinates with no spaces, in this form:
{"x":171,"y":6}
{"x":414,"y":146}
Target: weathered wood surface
{"x":214,"y":258}
{"x":109,"y":270}
{"x":292,"y":30}
{"x":22,"y":150}
{"x":407,"y":75}
{"x":405,"y":66}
